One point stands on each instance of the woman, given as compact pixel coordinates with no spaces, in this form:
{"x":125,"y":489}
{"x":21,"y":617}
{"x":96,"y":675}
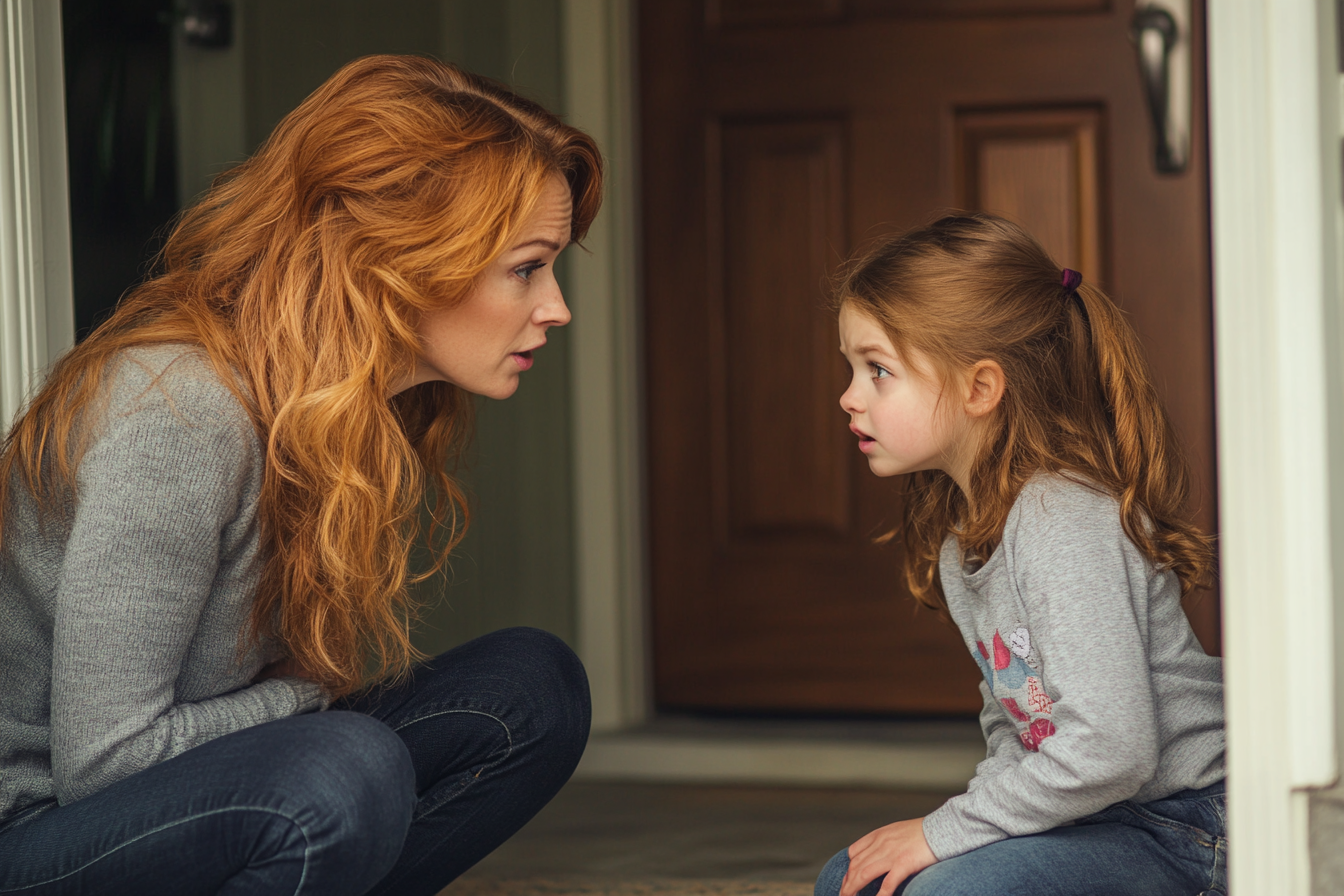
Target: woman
{"x":206,"y":514}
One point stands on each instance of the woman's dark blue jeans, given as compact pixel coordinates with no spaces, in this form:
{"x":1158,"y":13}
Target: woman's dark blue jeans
{"x":397,"y":791}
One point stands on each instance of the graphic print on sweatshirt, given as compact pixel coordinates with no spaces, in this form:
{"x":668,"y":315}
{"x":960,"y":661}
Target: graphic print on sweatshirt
{"x":1012,"y":671}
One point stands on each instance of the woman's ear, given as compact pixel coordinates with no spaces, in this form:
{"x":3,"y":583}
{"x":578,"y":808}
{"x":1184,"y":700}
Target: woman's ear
{"x":984,"y":388}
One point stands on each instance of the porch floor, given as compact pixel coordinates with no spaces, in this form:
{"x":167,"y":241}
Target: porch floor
{"x":639,"y":838}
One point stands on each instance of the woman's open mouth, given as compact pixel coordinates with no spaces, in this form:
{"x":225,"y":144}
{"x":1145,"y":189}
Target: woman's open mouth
{"x":524,"y":359}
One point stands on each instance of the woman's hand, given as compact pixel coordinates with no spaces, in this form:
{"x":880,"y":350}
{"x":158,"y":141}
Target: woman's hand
{"x":897,"y":850}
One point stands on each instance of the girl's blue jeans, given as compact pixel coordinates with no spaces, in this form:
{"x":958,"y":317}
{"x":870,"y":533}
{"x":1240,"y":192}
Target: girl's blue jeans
{"x":395,"y":792}
{"x":1170,"y":847}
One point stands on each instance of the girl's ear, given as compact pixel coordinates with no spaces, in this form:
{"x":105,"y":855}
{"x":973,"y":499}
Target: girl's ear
{"x":984,"y":388}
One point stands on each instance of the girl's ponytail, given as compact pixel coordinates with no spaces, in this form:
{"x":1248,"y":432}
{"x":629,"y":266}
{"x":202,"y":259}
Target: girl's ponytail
{"x":1148,"y":474}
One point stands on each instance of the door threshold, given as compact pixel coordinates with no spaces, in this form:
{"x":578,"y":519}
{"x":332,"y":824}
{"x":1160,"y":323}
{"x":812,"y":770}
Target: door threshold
{"x":904,"y":754}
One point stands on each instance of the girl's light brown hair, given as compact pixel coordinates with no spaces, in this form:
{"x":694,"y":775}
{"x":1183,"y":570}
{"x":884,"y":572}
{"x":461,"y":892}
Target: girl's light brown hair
{"x":1078,"y":395}
{"x":303,"y":273}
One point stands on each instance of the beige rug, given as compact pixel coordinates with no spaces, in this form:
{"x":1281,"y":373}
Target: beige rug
{"x":536,"y":886}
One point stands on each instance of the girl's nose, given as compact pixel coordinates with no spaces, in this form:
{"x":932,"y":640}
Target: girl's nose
{"x":849,"y":402}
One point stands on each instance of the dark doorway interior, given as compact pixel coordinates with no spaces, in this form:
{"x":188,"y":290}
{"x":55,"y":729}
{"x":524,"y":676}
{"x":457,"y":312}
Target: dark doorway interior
{"x":119,"y":119}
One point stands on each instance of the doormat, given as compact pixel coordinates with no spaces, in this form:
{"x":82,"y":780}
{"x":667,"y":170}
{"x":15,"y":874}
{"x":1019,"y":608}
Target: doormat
{"x":536,"y":886}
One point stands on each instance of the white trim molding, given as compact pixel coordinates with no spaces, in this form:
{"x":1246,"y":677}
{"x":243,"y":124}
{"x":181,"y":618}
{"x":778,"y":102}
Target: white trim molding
{"x":599,"y":97}
{"x":36,"y":295}
{"x":1274,"y":151}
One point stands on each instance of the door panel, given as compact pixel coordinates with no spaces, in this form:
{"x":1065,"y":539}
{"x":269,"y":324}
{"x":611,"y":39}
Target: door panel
{"x":777,"y":138}
{"x":1041,"y":169}
{"x":781,"y":215}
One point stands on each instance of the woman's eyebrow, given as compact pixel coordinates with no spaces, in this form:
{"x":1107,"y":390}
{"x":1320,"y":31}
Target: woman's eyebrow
{"x":549,"y":244}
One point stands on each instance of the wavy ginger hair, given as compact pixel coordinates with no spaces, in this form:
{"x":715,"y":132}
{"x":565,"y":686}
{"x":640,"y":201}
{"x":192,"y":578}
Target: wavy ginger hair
{"x":303,"y":273}
{"x":1078,"y":395}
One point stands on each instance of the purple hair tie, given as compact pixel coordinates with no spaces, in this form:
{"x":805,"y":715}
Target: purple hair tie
{"x":1071,"y":280}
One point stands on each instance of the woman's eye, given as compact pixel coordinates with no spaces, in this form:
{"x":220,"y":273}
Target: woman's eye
{"x":879,"y":372}
{"x":526,"y":271}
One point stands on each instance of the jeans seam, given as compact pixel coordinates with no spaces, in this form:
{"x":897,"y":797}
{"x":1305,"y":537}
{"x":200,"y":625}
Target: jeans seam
{"x":1219,"y":857}
{"x":455,"y":793}
{"x":307,"y":845}
{"x":1199,"y":835}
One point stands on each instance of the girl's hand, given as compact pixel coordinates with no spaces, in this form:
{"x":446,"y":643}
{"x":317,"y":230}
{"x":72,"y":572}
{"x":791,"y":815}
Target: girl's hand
{"x":897,"y":850}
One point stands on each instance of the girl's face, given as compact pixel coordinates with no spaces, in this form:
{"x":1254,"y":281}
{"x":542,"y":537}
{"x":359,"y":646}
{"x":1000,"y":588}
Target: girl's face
{"x":898,"y":409}
{"x":484,"y":343}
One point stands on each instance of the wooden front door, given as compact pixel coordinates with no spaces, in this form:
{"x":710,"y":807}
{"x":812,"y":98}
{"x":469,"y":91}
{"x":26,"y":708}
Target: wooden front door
{"x":778,"y":135}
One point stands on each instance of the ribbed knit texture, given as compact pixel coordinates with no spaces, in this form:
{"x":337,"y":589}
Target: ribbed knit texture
{"x":1096,"y":690}
{"x":120,"y":618}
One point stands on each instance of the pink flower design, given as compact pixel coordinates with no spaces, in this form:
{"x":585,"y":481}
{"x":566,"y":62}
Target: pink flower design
{"x":1038,"y":731}
{"x":1037,"y":699}
{"x":1001,"y":655}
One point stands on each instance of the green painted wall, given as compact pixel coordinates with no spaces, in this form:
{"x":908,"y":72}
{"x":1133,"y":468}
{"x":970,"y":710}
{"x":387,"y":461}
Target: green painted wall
{"x":516,"y":565}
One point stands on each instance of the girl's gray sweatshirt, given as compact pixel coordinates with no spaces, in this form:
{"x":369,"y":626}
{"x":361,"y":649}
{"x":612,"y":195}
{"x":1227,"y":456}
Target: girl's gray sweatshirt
{"x":1095,"y":688}
{"x":120,"y":615}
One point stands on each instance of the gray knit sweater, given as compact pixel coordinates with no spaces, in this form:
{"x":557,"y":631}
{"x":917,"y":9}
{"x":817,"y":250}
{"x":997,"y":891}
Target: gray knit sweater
{"x":120,"y":618}
{"x":1095,"y":688}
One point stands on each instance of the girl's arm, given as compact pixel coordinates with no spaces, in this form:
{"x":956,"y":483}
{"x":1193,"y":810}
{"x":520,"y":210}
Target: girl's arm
{"x":1002,"y":748}
{"x":155,"y":493}
{"x":899,"y":850}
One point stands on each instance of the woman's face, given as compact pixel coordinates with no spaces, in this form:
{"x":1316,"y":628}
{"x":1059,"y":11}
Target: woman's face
{"x":486,"y":341}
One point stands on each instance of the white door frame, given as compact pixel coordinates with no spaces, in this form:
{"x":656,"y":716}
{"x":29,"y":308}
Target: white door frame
{"x":37,"y":316}
{"x":1275,"y":155}
{"x":606,"y":385}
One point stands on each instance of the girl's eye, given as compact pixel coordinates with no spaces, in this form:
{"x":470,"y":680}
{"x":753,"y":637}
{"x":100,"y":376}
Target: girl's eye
{"x":526,"y":271}
{"x":879,"y":372}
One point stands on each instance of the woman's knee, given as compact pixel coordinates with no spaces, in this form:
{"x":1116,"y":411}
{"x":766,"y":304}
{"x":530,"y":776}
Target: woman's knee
{"x":354,"y":776}
{"x":324,"y":798}
{"x":551,"y":682}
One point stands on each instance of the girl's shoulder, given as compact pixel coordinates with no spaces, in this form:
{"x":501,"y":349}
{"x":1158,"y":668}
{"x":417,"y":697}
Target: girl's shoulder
{"x":1063,"y":507}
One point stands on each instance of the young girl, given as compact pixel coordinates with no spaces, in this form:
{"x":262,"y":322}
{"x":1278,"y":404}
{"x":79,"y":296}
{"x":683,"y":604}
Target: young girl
{"x":1044,"y":515}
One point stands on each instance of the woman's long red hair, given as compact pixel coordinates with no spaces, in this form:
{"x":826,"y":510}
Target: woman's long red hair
{"x":303,"y":273}
{"x":1078,"y":398}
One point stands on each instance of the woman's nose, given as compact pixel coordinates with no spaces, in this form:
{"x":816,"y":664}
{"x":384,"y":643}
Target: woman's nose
{"x":554,"y":312}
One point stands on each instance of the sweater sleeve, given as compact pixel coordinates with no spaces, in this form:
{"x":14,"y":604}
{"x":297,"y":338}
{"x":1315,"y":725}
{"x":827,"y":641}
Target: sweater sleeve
{"x":1002,"y":748}
{"x":154,"y":492}
{"x":1084,"y":586}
